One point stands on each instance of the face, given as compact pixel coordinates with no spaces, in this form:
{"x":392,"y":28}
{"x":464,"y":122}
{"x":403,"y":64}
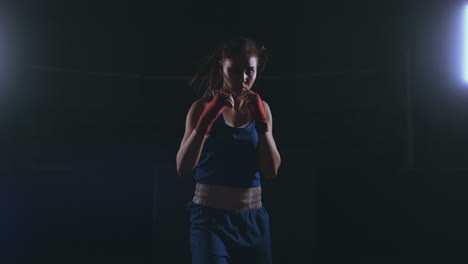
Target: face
{"x":239,"y":73}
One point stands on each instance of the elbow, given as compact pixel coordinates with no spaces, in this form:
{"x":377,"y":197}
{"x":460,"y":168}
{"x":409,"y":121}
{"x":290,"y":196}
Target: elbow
{"x":269,"y":174}
{"x":274,"y":174}
{"x":184,"y":172}
{"x":179,"y":168}
{"x":180,"y":171}
{"x":277,"y":166}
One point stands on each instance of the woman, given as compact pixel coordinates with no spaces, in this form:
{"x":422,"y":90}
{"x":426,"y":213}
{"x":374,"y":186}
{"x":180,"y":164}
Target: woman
{"x":227,"y":147}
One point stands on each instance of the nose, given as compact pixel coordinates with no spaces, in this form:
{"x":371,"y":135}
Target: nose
{"x":244,"y":76}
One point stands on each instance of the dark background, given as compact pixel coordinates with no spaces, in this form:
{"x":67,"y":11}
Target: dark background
{"x":93,"y":101}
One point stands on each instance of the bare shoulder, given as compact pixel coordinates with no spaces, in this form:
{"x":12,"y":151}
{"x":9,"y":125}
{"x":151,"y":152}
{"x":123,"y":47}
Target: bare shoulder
{"x":266,"y":106}
{"x":195,"y":110}
{"x":200,"y":103}
{"x":204,"y":100}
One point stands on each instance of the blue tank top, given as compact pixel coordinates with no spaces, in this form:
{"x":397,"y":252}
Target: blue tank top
{"x":229,"y":156}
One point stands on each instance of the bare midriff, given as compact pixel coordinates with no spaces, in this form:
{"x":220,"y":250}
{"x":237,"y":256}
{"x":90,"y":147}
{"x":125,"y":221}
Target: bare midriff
{"x":228,"y":198}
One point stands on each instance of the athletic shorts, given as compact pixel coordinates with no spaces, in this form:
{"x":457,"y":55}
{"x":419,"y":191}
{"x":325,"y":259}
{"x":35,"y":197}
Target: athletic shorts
{"x":219,"y":236}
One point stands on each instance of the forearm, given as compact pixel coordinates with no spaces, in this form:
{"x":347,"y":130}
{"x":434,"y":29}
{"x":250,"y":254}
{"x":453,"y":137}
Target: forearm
{"x":189,"y":154}
{"x":269,"y":157}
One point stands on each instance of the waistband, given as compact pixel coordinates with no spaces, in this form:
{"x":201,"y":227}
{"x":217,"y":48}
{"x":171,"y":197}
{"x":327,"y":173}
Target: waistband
{"x":228,"y":198}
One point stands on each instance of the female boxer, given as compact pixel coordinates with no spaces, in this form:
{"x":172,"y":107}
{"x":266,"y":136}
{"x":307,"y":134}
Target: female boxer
{"x":228,"y":146}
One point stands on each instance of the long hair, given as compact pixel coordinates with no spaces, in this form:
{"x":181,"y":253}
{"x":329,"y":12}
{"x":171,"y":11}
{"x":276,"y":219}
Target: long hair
{"x":208,"y":77}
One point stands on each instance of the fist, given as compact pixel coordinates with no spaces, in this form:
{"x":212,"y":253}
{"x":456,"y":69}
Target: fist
{"x":255,"y":105}
{"x":224,"y":99}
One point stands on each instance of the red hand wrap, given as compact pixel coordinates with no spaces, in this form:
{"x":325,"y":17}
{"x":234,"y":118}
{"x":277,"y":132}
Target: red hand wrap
{"x":209,"y":115}
{"x":259,"y":114}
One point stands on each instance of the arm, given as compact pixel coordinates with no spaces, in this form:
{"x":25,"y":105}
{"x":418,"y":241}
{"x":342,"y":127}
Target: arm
{"x":192,"y":142}
{"x":269,"y":157}
{"x":200,"y":120}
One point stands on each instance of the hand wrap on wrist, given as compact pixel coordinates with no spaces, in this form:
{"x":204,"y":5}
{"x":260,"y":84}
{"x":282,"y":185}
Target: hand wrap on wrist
{"x":261,"y":120}
{"x":214,"y":108}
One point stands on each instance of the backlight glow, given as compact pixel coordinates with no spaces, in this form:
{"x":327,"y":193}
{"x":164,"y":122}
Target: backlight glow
{"x":465,"y":44}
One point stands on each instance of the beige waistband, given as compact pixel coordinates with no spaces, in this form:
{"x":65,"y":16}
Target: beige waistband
{"x":228,"y":198}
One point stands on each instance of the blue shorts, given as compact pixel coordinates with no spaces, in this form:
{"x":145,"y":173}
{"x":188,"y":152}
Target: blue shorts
{"x":219,"y":236}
